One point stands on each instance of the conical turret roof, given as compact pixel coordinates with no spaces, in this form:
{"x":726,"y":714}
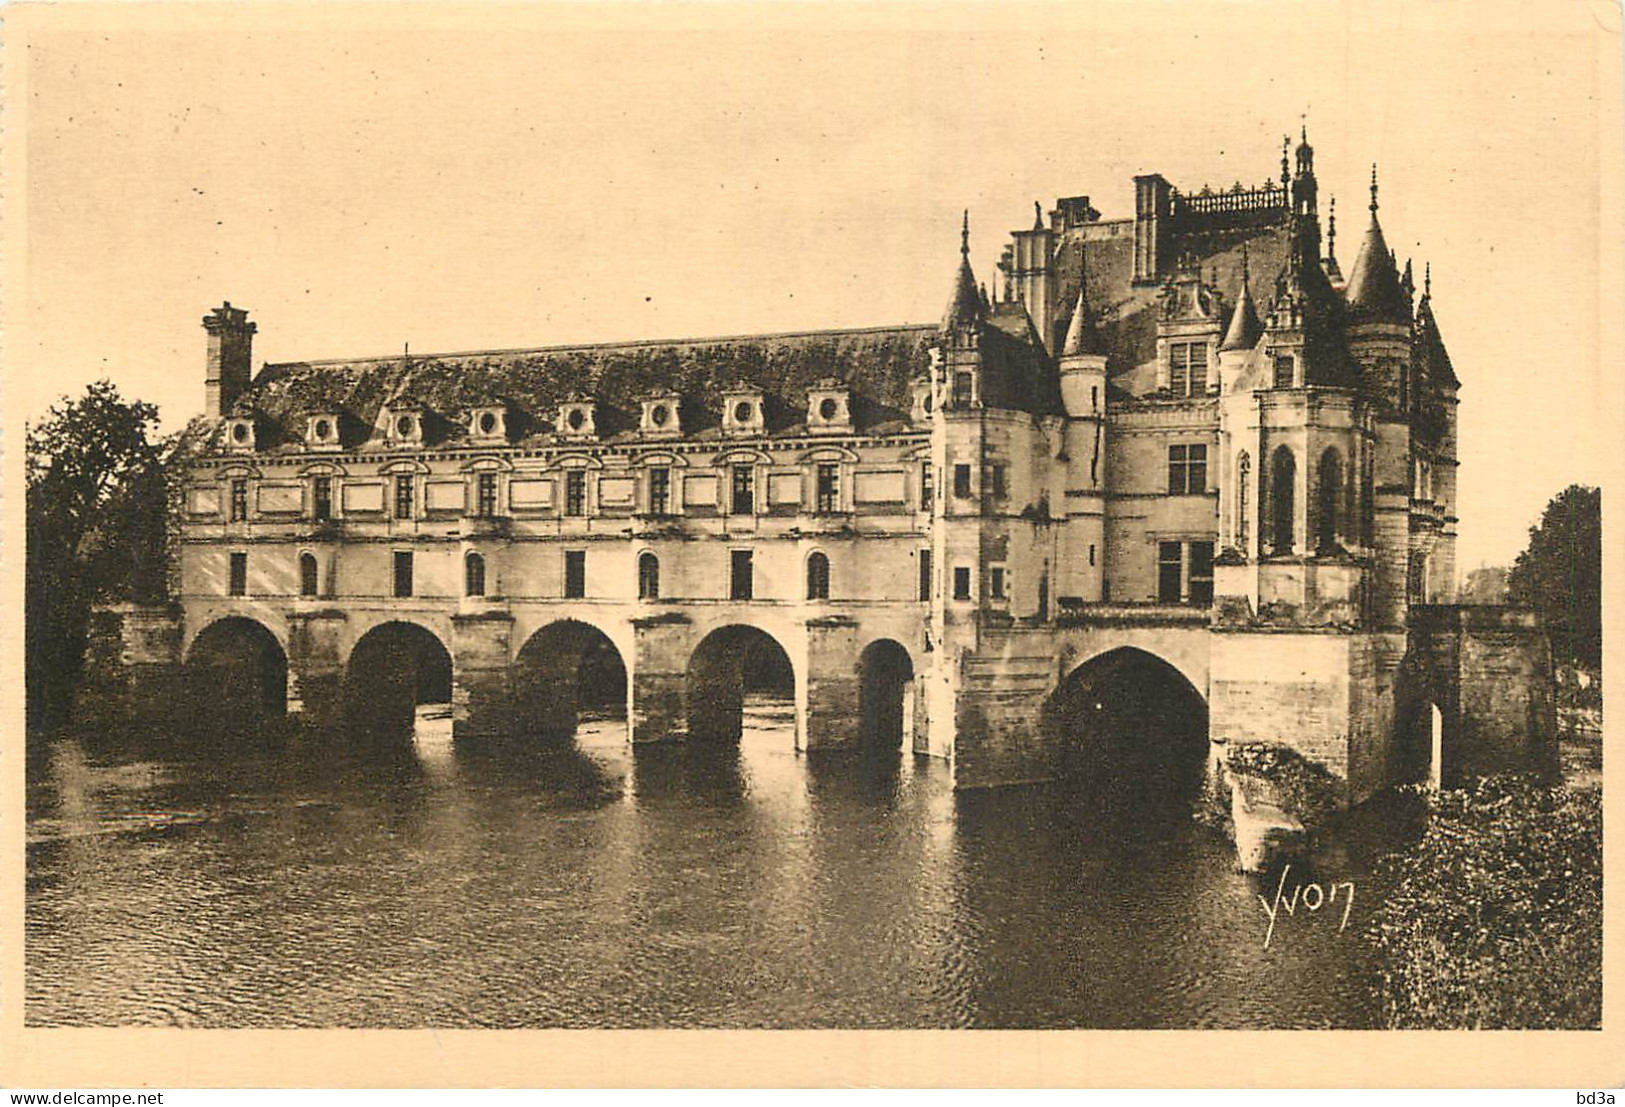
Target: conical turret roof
{"x":1081,"y":335}
{"x":1245,"y":328}
{"x":965,"y":305}
{"x":1374,"y":292}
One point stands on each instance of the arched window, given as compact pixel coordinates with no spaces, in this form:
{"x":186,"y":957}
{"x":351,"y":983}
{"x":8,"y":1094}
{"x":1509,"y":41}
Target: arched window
{"x":817,"y":577}
{"x":1243,"y":524}
{"x":307,"y":574}
{"x":1283,"y":479}
{"x":648,"y":576}
{"x":474,"y":575}
{"x":1331,"y":496}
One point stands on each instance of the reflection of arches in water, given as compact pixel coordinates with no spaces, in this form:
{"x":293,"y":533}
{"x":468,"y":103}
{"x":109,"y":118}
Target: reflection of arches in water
{"x":237,"y":671}
{"x":566,"y":669}
{"x":728,"y":665}
{"x":1133,"y":728}
{"x":393,"y":668}
{"x":885,"y":679}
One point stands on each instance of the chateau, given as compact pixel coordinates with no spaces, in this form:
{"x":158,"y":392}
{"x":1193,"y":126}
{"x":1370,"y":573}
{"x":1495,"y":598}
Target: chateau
{"x":1182,"y":454}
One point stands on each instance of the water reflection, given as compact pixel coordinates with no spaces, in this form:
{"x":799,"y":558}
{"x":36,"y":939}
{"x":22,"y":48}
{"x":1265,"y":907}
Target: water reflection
{"x":314,"y":882}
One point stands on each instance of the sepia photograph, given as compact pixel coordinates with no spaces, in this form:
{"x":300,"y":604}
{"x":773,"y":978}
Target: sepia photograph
{"x":810,"y":517}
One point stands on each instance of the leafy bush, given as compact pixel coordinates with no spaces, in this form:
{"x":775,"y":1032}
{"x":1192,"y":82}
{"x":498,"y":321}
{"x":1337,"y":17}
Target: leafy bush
{"x":1302,"y":787}
{"x":1494,"y":919}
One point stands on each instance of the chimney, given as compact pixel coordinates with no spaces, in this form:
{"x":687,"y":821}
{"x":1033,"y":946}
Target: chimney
{"x":231,"y":356}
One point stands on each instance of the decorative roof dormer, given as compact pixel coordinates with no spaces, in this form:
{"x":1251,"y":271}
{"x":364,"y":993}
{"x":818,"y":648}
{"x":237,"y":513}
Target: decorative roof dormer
{"x":488,"y":424}
{"x":322,"y":431}
{"x":829,"y":407}
{"x":662,"y":415}
{"x":401,"y":424}
{"x":742,"y":410}
{"x":578,"y":418}
{"x":240,"y":435}
{"x":1188,"y":333}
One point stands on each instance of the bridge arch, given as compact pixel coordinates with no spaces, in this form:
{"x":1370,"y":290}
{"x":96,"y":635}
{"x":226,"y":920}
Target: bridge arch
{"x":730,"y":664}
{"x":237,"y":671}
{"x":1134,"y":728}
{"x":393,"y":668}
{"x":885,"y":694}
{"x":563,"y":670}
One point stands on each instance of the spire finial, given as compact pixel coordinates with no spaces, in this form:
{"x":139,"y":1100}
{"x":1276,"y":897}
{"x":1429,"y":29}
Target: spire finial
{"x":964,"y":236}
{"x":1331,"y":231}
{"x":1303,"y":127}
{"x":1427,"y":278}
{"x":1286,"y":172}
{"x":1373,"y":188}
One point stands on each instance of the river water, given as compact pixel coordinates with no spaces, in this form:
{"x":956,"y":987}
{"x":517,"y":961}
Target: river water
{"x":310,"y":885}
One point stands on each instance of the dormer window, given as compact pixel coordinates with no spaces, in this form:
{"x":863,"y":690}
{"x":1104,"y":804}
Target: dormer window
{"x":322,"y":431}
{"x":488,"y":424}
{"x":920,"y":412}
{"x":661,"y":415}
{"x":829,"y":408}
{"x":241,"y":436}
{"x":742,"y":411}
{"x":404,"y":428}
{"x":1187,"y":368}
{"x":578,"y":419}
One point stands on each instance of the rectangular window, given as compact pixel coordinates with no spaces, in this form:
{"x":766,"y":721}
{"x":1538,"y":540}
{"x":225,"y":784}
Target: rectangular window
{"x":926,"y":491}
{"x":1170,"y":568}
{"x":575,"y":574}
{"x":1187,"y":470}
{"x":403,"y":498}
{"x":997,"y":478}
{"x":575,"y":492}
{"x":307,"y":575}
{"x":962,"y":389}
{"x":1283,"y":371}
{"x":744,"y":490}
{"x":659,"y":491}
{"x":1201,"y":573}
{"x":486,"y":496}
{"x":829,"y":489}
{"x":239,"y":500}
{"x":996,"y":583}
{"x":1187,"y":368}
{"x":925,"y":574}
{"x":1091,"y":553}
{"x":741,"y":585}
{"x":239,"y":574}
{"x":322,"y":499}
{"x":962,"y":481}
{"x":403,"y":572}
{"x":961,"y":582}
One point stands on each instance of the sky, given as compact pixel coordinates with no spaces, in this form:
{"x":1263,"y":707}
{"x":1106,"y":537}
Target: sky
{"x":470,"y":179}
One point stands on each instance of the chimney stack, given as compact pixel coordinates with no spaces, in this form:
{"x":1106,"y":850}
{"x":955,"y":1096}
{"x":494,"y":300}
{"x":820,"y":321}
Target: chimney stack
{"x":231,"y":356}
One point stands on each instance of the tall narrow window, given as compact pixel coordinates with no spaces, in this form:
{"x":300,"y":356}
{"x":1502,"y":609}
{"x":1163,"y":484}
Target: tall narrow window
{"x":648,"y":576}
{"x":1283,"y":371}
{"x":1187,"y":368}
{"x":239,"y":574}
{"x":1331,"y":495}
{"x":926,"y":490}
{"x":925,"y":574}
{"x":575,"y":492}
{"x":485,"y":498}
{"x":1244,"y":521}
{"x":1201,"y":573}
{"x":239,"y":500}
{"x":962,"y":482}
{"x":403,"y":573}
{"x":829,"y":489}
{"x":321,"y":499}
{"x":744,"y":490}
{"x":473,"y":575}
{"x":962,"y":389}
{"x":1091,"y":554}
{"x":307,"y":574}
{"x":961,"y":582}
{"x":996,"y":477}
{"x":403,"y":496}
{"x":1170,"y":570}
{"x":1187,"y":470}
{"x":1198,"y":368}
{"x":659,"y":490}
{"x":575,"y":574}
{"x":741,"y":582}
{"x":997,"y":583}
{"x":817,"y":577}
{"x":1283,"y":478}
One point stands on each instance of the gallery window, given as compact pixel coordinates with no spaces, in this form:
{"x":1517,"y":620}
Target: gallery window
{"x":575,"y":492}
{"x":744,"y":490}
{"x":403,"y":497}
{"x":659,"y":491}
{"x":575,"y":574}
{"x":307,"y":574}
{"x":925,"y":575}
{"x":321,"y":499}
{"x":485,"y":495}
{"x":474,"y":575}
{"x":817,"y":577}
{"x":238,"y":584}
{"x":926,"y":490}
{"x":648,"y":576}
{"x":403,"y":573}
{"x":828,"y":489}
{"x":741,"y":575}
{"x":239,"y":500}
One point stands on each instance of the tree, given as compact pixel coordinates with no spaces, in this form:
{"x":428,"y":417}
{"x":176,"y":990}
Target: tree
{"x":1485,"y":585}
{"x":96,"y":495}
{"x":1560,"y":574}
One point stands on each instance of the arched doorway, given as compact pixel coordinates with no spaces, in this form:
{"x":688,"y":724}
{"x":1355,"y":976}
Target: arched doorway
{"x":1420,"y":733}
{"x":394,"y":669}
{"x":237,"y":673}
{"x":567,"y":673}
{"x":1134,"y":732}
{"x":885,"y":681}
{"x":736,"y":667}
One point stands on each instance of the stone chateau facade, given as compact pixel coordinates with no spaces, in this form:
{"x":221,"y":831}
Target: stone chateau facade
{"x":1184,"y":434}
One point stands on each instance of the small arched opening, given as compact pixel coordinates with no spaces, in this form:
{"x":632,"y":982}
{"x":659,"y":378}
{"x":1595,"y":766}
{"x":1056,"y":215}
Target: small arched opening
{"x":398,"y":672}
{"x":237,"y":673}
{"x":817,"y":576}
{"x":309,"y":576}
{"x":735,"y":671}
{"x":569,"y":675}
{"x":648,"y":576}
{"x":474,"y":575}
{"x":885,"y":679}
{"x":1133,"y":731}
